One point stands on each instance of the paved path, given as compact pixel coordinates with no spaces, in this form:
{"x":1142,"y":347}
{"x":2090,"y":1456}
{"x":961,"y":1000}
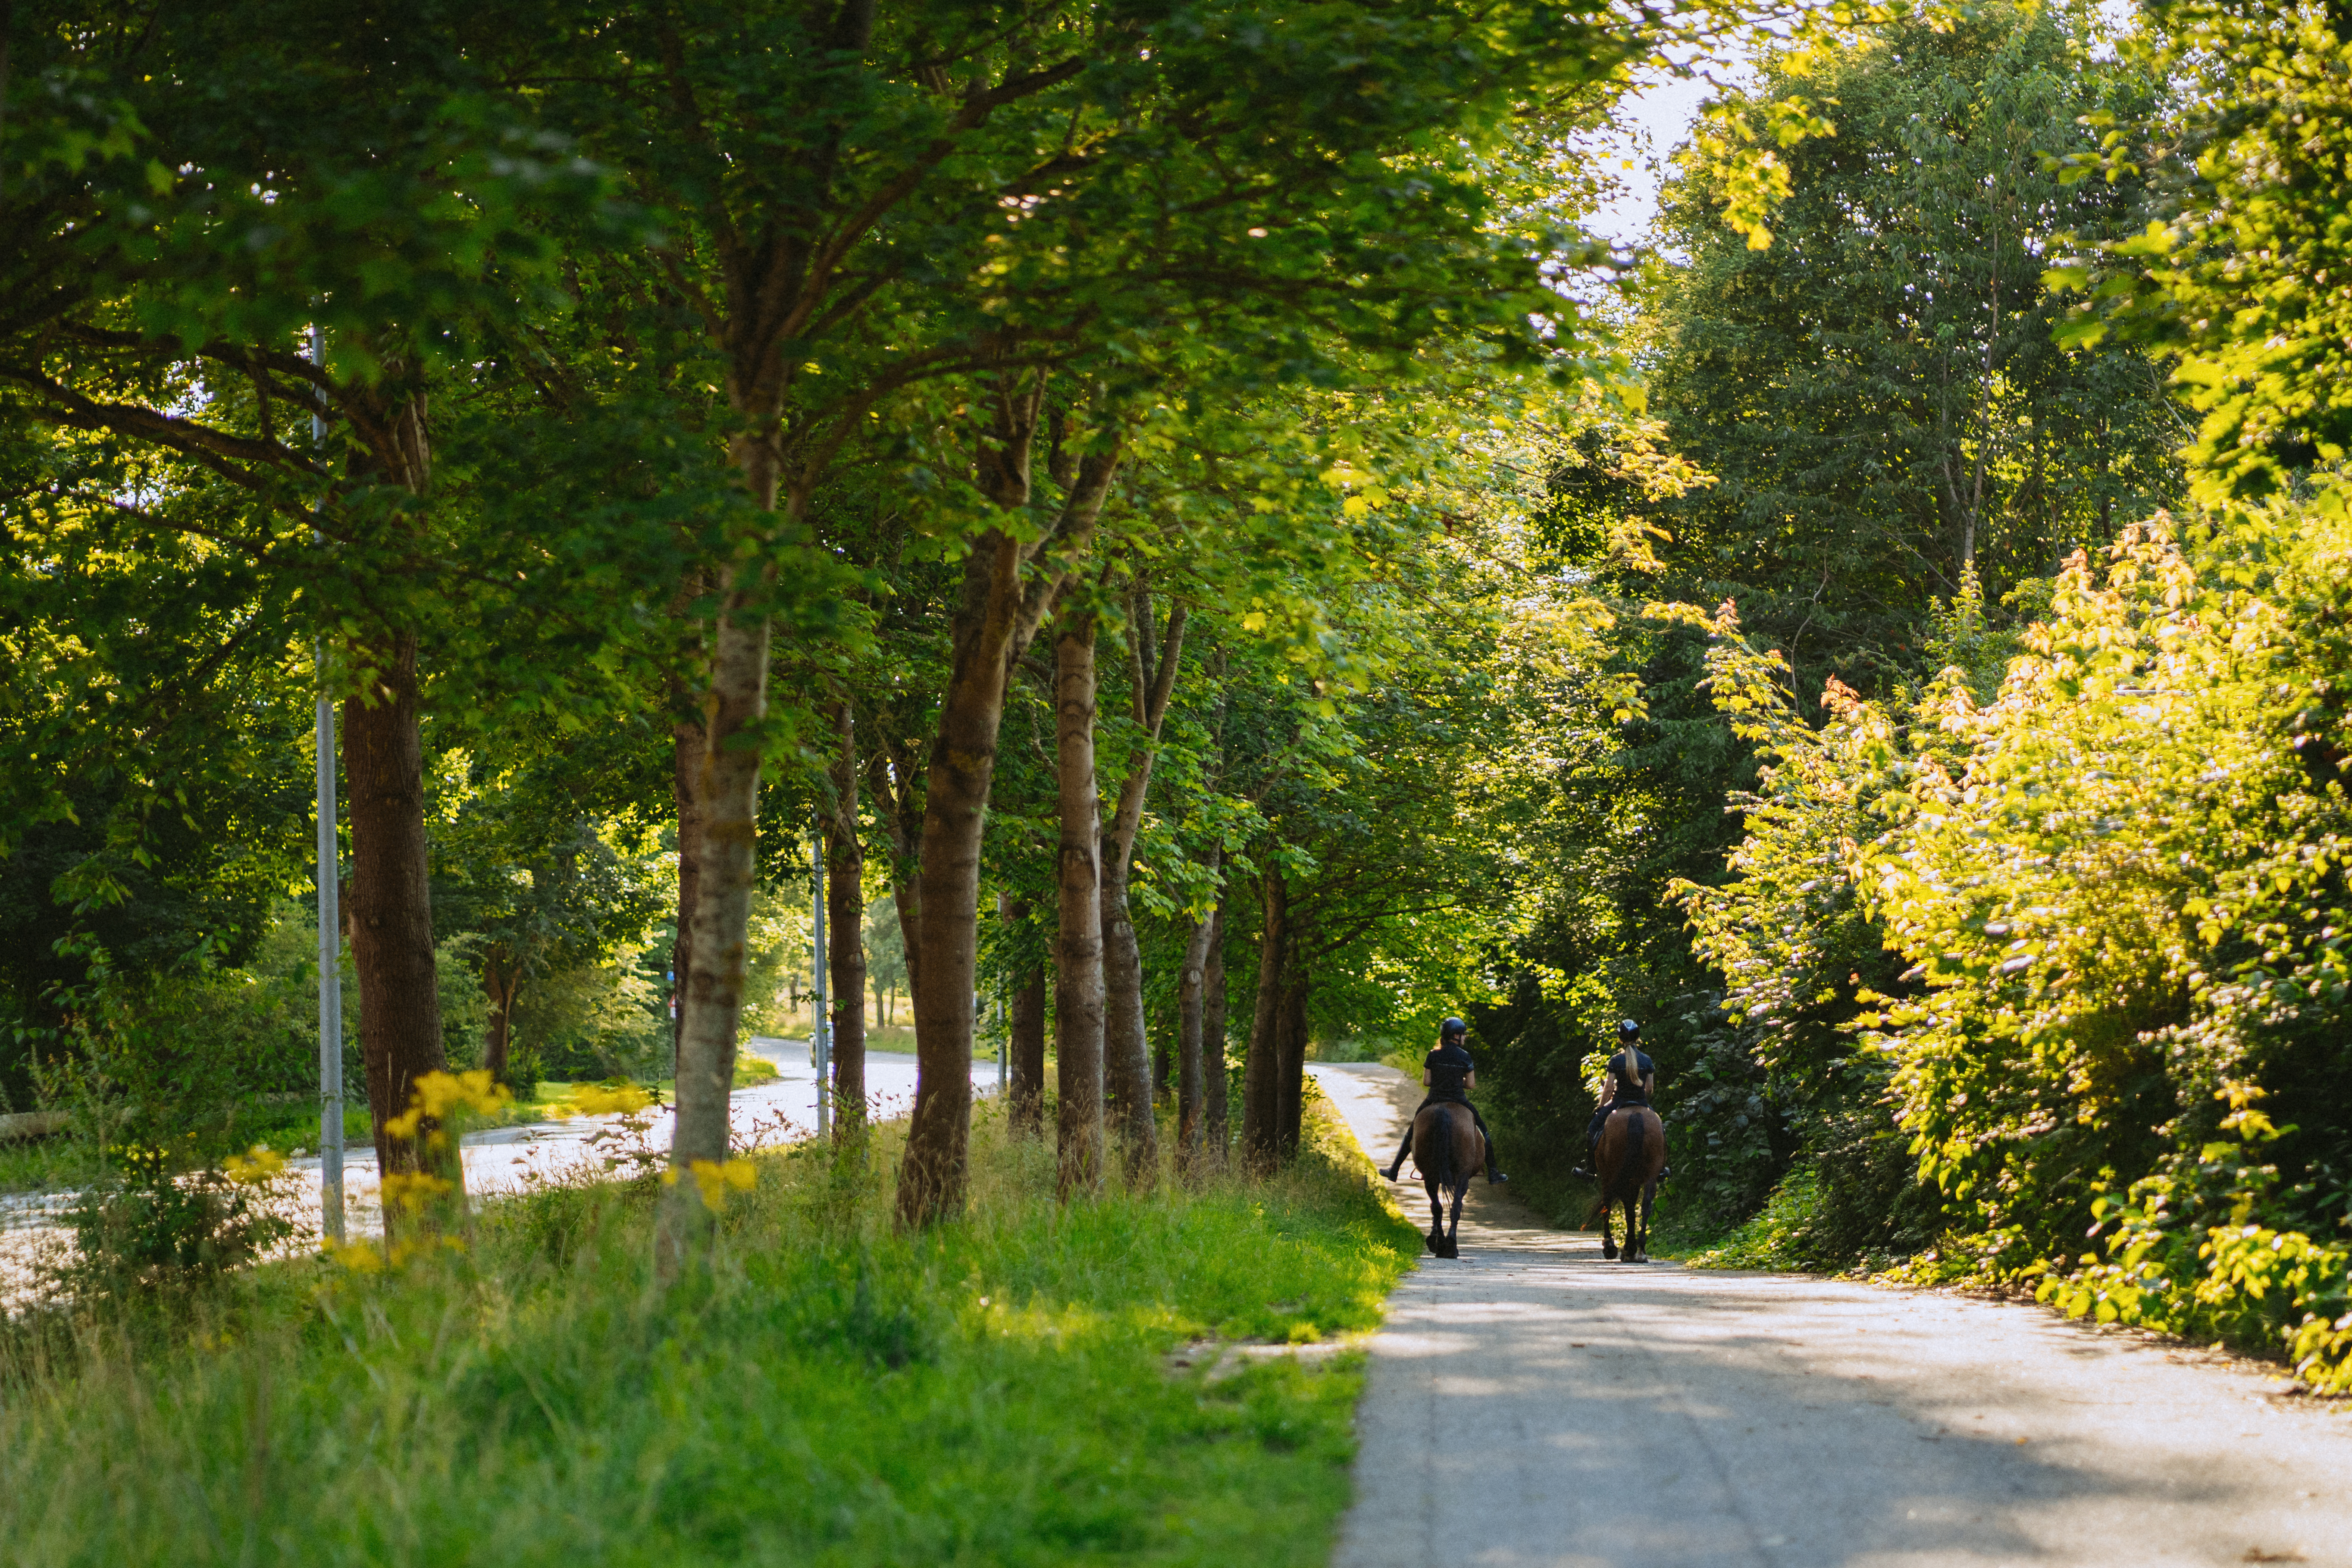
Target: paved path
{"x":1530,"y":1403}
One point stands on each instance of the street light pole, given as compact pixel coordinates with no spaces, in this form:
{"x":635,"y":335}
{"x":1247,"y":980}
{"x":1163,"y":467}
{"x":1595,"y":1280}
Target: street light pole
{"x":819,"y":1029}
{"x":330,"y":931}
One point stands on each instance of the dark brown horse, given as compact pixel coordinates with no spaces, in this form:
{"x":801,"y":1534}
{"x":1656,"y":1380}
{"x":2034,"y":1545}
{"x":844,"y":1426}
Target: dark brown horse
{"x":1447,"y":1148}
{"x":1633,"y":1152}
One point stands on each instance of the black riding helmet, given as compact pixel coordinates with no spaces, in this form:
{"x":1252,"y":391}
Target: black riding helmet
{"x":1452,"y":1029}
{"x":1628,"y":1030}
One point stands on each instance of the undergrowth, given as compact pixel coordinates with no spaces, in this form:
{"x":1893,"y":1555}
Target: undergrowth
{"x":829,"y":1390}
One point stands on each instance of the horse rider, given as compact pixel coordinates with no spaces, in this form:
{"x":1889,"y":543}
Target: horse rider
{"x":1450,"y":1075}
{"x":1633,"y":1079}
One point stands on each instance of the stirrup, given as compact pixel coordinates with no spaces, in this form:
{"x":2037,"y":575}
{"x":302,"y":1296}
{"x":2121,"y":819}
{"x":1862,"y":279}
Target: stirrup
{"x":1583,"y":1174}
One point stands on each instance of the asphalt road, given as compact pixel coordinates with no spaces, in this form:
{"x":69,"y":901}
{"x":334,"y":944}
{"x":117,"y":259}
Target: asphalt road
{"x":509,"y":1160}
{"x":1530,"y":1403}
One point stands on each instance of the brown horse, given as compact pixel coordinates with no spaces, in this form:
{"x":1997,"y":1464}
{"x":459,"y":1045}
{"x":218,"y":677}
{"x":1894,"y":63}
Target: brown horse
{"x":1633,"y":1152}
{"x":1449,"y":1152}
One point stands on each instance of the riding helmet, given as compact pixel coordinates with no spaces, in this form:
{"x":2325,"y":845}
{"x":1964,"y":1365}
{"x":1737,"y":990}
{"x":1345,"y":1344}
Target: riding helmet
{"x":1452,"y":1029}
{"x":1629,"y":1030}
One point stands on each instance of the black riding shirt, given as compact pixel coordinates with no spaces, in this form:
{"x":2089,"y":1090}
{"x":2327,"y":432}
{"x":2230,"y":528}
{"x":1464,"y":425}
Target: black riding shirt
{"x":1449,"y":1067}
{"x":1629,"y":1067}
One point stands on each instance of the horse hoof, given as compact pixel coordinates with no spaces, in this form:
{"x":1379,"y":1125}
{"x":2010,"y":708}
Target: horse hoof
{"x":1609,"y":1252}
{"x":1449,"y":1250}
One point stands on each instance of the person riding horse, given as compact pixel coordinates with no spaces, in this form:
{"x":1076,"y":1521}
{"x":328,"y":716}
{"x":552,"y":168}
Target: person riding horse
{"x":1633,"y":1079}
{"x":1450,"y":1075}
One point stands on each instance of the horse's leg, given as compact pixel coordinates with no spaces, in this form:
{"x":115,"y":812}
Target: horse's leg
{"x":1436,"y":1216}
{"x":1607,"y":1236}
{"x":1453,"y":1229}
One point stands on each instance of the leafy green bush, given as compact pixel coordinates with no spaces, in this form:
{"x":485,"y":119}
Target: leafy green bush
{"x":2118,"y":894}
{"x":155,"y":1224}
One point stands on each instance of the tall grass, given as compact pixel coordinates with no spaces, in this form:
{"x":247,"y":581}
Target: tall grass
{"x":827,"y":1391}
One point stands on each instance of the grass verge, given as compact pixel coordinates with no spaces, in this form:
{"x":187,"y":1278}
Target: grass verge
{"x":827,"y":1391}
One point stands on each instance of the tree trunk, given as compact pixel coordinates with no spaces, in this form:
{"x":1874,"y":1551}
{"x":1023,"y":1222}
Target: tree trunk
{"x":501,"y":979}
{"x":1261,"y":1074}
{"x":1127,"y":1053}
{"x":845,"y":918}
{"x":390,"y":910}
{"x":1192,"y":1008}
{"x":994,"y":621}
{"x":688,"y":741}
{"x":1192,"y":1082}
{"x":1026,"y":1037}
{"x":1078,"y":999}
{"x":1215,"y":1112}
{"x":1291,"y":1081}
{"x":726,"y":784}
{"x":890,"y":777}
{"x":1127,"y":1056}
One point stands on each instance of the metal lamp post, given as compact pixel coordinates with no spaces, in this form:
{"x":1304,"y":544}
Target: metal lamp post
{"x":820,"y":1027}
{"x":330,"y":932}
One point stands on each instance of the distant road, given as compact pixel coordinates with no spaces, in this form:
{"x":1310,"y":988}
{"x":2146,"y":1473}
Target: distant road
{"x":508,"y":1158}
{"x":1531,"y":1403}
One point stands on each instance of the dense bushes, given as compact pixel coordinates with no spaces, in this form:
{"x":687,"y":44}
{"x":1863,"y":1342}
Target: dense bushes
{"x":2115,"y":895}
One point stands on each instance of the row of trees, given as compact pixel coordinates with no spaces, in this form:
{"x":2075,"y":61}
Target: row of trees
{"x":706,"y":420}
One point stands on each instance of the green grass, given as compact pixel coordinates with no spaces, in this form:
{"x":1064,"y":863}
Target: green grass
{"x":828,"y":1391}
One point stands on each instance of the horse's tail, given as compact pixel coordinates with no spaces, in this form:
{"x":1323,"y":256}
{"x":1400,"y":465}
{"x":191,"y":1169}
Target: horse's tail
{"x":1442,"y":1128}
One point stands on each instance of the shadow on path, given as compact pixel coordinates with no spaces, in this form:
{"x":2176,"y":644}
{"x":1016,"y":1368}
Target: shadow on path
{"x":1530,"y":1403}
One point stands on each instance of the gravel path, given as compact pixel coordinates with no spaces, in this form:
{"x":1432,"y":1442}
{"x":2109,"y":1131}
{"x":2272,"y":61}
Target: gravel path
{"x":1530,"y":1403}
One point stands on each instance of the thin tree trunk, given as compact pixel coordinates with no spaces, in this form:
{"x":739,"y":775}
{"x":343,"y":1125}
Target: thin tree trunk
{"x":996,"y":619}
{"x":845,"y":918}
{"x":1191,"y":1003}
{"x":688,"y":741}
{"x":390,"y":911}
{"x":890,"y":779}
{"x":1261,"y":1073}
{"x":1291,"y":1080}
{"x":1126,"y":1065}
{"x":1191,"y":1082}
{"x":1215,"y":1112}
{"x":1078,"y":999}
{"x":1026,"y":1035}
{"x":501,"y":980}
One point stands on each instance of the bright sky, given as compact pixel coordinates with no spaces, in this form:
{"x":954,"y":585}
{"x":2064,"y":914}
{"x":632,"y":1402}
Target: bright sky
{"x":1652,"y":121}
{"x":1656,"y":118}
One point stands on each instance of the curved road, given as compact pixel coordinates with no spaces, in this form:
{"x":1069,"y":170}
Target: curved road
{"x":1531,"y":1403}
{"x":509,"y":1160}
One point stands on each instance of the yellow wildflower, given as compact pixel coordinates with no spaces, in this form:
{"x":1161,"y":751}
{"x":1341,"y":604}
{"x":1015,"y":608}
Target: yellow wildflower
{"x":254,"y":1168}
{"x":597,"y":1099}
{"x":437,"y":1095}
{"x":356,"y":1256}
{"x":713,"y":1178}
{"x":413,"y":1191}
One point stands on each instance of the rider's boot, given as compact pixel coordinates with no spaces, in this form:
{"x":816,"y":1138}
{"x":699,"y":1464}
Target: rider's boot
{"x":1584,"y":1172}
{"x":1494,"y":1178}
